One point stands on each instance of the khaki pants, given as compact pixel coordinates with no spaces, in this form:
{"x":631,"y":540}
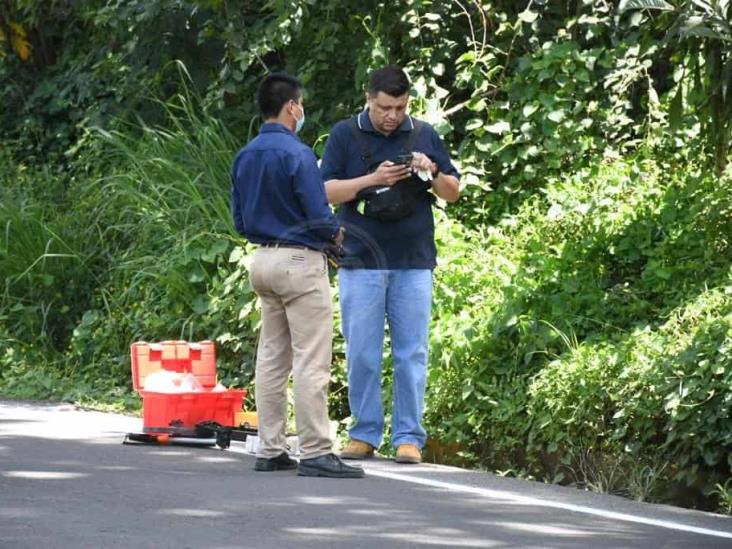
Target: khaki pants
{"x":297,"y":336}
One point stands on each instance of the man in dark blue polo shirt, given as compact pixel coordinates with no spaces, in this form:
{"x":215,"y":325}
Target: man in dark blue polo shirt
{"x":278,"y":201}
{"x":387,"y":272}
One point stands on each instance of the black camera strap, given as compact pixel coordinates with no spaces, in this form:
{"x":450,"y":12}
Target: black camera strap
{"x":358,"y":138}
{"x":366,"y":155}
{"x":413,"y":135}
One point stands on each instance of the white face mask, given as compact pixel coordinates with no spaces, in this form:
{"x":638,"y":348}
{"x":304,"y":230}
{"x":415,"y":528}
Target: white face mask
{"x":299,"y":121}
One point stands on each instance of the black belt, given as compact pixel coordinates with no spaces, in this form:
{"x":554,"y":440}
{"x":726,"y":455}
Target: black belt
{"x":286,"y":245}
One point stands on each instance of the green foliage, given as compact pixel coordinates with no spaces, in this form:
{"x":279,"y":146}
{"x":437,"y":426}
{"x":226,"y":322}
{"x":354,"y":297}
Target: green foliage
{"x":175,"y":271}
{"x":704,"y":32}
{"x":143,"y":252}
{"x":591,"y":332}
{"x":556,"y":91}
{"x":724,"y":491}
{"x":541,"y":126}
{"x":43,"y":258}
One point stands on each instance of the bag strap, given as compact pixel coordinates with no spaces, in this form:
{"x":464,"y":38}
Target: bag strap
{"x":413,"y":135}
{"x":365,"y":152}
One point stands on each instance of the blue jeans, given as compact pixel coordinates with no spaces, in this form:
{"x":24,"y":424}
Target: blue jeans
{"x":404,"y":298}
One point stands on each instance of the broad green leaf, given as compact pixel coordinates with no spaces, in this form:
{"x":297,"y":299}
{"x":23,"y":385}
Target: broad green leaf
{"x":474,"y":124}
{"x":644,"y":5}
{"x":483,"y":144}
{"x":582,"y":76}
{"x":530,"y":109}
{"x":706,"y":6}
{"x":476,"y":104}
{"x":672,"y":402}
{"x":544,"y":74}
{"x":200,"y":304}
{"x":722,"y":7}
{"x":216,"y":249}
{"x":652,"y":96}
{"x":547,"y":100}
{"x":636,"y":18}
{"x":467,"y":56}
{"x":512,"y":321}
{"x":664,"y":274}
{"x":556,"y":116}
{"x":693,"y":21}
{"x":499,"y":127}
{"x":236,"y":254}
{"x":556,"y":211}
{"x":703,"y":31}
{"x":524,"y":64}
{"x":588,"y":20}
{"x":196,"y":276}
{"x":528,"y":16}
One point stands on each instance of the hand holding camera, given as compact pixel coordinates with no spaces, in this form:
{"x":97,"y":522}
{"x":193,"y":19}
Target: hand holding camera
{"x":405,"y":160}
{"x":390,"y":172}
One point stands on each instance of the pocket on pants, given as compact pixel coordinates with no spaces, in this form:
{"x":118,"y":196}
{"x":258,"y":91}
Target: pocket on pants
{"x":298,"y":265}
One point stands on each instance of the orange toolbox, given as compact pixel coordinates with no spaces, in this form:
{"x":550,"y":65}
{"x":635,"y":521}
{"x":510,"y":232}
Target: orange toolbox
{"x":200,"y":414}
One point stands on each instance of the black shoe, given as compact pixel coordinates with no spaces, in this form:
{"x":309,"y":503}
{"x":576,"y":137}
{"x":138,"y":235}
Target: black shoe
{"x":283,"y":462}
{"x":329,"y":465}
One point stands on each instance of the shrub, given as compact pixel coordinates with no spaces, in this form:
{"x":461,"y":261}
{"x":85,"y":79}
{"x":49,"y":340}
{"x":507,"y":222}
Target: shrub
{"x":597,"y":319}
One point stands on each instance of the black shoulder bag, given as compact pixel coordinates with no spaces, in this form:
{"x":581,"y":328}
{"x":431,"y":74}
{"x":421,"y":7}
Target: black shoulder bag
{"x":384,"y":202}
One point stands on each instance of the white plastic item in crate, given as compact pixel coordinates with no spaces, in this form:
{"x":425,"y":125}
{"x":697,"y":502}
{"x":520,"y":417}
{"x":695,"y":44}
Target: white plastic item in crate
{"x":251,"y":445}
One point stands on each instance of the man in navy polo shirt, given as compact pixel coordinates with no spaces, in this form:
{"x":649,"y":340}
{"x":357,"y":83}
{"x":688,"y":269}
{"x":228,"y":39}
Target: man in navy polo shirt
{"x":278,"y":201}
{"x":387,"y":271}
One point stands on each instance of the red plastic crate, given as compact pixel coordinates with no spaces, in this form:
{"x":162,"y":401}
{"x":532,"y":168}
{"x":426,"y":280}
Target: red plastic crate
{"x":166,"y":412}
{"x":170,"y":412}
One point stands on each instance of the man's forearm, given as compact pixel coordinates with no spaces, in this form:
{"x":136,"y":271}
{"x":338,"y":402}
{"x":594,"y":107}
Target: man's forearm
{"x":344,"y":190}
{"x":446,"y":187}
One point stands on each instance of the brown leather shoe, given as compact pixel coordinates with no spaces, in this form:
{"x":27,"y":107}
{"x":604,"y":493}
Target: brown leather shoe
{"x":357,"y":449}
{"x":408,"y":453}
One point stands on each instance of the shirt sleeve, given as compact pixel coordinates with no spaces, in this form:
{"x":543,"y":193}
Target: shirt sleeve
{"x":333,"y":164}
{"x":440,"y":156}
{"x":310,"y":192}
{"x":235,"y":206}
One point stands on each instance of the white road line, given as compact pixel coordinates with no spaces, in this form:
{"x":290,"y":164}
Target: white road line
{"x":538,"y":502}
{"x":525,"y":500}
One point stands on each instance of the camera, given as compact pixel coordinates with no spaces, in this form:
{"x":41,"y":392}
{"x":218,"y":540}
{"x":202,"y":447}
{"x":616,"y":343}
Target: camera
{"x":405,"y":159}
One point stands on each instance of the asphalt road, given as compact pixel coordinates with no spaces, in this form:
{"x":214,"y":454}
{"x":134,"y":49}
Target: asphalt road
{"x":67,"y":481}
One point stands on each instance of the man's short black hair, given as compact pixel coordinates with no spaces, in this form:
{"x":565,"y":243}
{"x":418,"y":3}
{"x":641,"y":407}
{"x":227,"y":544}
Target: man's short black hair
{"x":275,"y":90}
{"x":392,"y":80}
